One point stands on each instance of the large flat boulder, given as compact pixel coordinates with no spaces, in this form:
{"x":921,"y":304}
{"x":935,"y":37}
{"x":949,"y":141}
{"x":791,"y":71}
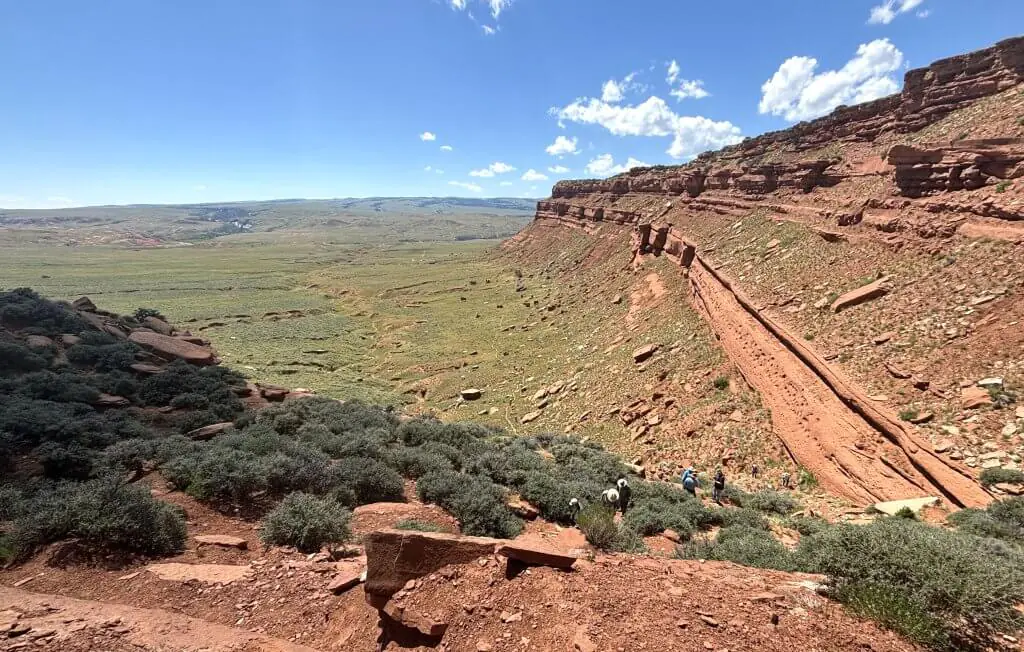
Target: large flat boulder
{"x":913,"y":504}
{"x":872,"y":290}
{"x":207,"y":433}
{"x":536,"y":555}
{"x":393,"y":557}
{"x":174,"y":348}
{"x":158,"y":325}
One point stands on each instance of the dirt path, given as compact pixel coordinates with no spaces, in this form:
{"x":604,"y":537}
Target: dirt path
{"x":54,"y":622}
{"x":828,"y":427}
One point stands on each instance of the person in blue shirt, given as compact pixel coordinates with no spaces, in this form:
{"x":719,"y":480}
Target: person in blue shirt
{"x":690,"y":481}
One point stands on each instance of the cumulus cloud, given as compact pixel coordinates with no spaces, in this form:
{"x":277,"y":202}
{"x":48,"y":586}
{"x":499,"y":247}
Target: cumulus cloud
{"x":533,"y":175}
{"x":924,"y":13}
{"x":428,"y":169}
{"x":886,"y":12}
{"x":558,"y":169}
{"x":653,"y":118}
{"x":458,"y":4}
{"x":604,"y":166}
{"x":689,"y":88}
{"x":563,"y":146}
{"x":426,"y":136}
{"x":612,"y":91}
{"x":494,"y":168}
{"x":506,"y":183}
{"x":488,"y":30}
{"x":682,"y":89}
{"x":472,"y":187}
{"x":797,"y":92}
{"x":672,"y":74}
{"x":446,"y":148}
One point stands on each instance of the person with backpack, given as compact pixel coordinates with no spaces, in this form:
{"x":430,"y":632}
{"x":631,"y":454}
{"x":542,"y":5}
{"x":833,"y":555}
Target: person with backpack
{"x":719,"y":487}
{"x":690,"y":481}
{"x":610,"y":499}
{"x":625,"y":493}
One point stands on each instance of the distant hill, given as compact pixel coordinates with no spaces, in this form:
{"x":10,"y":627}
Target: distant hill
{"x":358,"y":219}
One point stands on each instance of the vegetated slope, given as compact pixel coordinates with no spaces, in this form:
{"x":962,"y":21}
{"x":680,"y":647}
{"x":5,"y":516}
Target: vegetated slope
{"x":403,"y":219}
{"x":921,"y":192}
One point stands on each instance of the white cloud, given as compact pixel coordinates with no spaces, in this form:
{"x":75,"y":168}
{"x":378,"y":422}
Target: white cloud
{"x":797,"y":92}
{"x":427,"y":169}
{"x":533,"y":175}
{"x":558,"y":169}
{"x":611,"y":91}
{"x":563,"y":146}
{"x":506,"y":183}
{"x":427,"y":136}
{"x":472,"y":187}
{"x":653,"y":118}
{"x":494,"y":168}
{"x":497,"y":6}
{"x":673,"y":72}
{"x":488,"y":30}
{"x":604,"y":166}
{"x":438,"y":171}
{"x":886,"y":12}
{"x":446,"y":148}
{"x":458,"y":4}
{"x":689,"y":88}
{"x":924,"y":13}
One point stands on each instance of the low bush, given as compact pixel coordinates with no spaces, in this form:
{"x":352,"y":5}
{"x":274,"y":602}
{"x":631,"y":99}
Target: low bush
{"x":912,"y":569}
{"x":111,"y":356}
{"x":69,"y":462}
{"x":23,"y":309}
{"x":597,"y":523}
{"x":743,"y":516}
{"x":369,"y":481}
{"x":478,"y":504}
{"x":990,"y":477}
{"x":16,"y":358}
{"x":806,"y":525}
{"x":418,"y":526}
{"x":415,"y":462}
{"x":306,"y":522}
{"x":767,"y":500}
{"x":102,"y":513}
{"x":740,"y":544}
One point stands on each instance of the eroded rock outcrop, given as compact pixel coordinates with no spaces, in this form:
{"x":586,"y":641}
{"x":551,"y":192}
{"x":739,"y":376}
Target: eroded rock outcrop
{"x":963,"y":165}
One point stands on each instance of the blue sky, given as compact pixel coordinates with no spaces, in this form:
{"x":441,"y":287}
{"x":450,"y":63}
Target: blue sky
{"x":152,"y":101}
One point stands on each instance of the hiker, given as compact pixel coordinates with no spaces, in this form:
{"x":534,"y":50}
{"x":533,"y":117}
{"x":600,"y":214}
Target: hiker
{"x":574,"y":509}
{"x":719,"y":487}
{"x":610,"y":499}
{"x":785,"y":480}
{"x":754,"y":471}
{"x":690,"y":481}
{"x":625,"y":493}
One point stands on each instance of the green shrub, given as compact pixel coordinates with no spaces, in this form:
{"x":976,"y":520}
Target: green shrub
{"x":597,"y":523}
{"x":767,"y":500}
{"x":1003,"y":185}
{"x":478,"y":504}
{"x":218,"y":474}
{"x":905,"y":513}
{"x":721,"y":383}
{"x":893,"y":609}
{"x":806,"y":525}
{"x":306,"y":522}
{"x":369,"y":481}
{"x":990,"y":477}
{"x":968,"y":587}
{"x":743,"y":516}
{"x":740,"y":544}
{"x":113,"y":356}
{"x":61,"y":388}
{"x":418,"y":526}
{"x":16,"y":358}
{"x":629,"y":540}
{"x":142,"y":313}
{"x":70,"y":462}
{"x":1009,"y":512}
{"x":415,"y":462}
{"x":23,"y":309}
{"x":100,"y":513}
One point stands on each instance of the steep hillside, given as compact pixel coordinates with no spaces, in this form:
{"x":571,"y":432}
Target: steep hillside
{"x":862,"y":272}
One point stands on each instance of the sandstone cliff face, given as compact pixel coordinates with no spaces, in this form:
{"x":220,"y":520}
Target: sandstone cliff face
{"x":847,"y":169}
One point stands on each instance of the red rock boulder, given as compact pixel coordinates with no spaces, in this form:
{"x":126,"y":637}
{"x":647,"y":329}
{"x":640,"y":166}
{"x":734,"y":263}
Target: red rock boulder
{"x":174,"y":348}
